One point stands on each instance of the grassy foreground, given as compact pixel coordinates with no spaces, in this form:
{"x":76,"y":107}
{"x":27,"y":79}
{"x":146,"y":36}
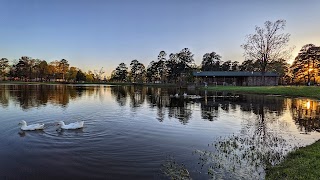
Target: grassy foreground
{"x":296,"y":91}
{"x":303,"y":163}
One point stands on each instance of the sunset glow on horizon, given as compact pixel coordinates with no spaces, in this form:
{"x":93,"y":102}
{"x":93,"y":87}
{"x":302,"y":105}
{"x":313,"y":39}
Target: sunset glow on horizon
{"x":95,"y":34}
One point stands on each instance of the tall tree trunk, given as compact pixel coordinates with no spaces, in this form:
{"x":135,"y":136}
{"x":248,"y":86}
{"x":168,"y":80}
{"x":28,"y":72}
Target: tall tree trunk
{"x":263,"y":71}
{"x":308,"y":84}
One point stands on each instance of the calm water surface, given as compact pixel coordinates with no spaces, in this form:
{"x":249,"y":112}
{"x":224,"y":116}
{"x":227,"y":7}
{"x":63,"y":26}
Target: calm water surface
{"x":144,"y":133}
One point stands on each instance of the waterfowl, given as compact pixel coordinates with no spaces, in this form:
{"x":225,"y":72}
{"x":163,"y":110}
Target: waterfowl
{"x":195,"y":97}
{"x":75,"y":125}
{"x":30,"y":127}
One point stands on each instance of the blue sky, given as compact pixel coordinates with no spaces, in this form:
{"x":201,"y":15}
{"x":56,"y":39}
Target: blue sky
{"x":92,"y":34}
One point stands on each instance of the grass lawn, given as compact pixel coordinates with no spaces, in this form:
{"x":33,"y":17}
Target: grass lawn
{"x":303,"y":163}
{"x":296,"y":91}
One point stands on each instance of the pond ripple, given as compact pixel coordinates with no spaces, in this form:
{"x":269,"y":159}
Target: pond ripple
{"x":135,"y":132}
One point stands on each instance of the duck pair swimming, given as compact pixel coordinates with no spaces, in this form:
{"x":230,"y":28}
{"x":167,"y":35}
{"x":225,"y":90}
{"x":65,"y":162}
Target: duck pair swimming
{"x":60,"y":124}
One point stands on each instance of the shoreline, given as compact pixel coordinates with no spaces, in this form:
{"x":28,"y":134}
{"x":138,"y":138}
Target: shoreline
{"x":302,"y":163}
{"x":88,"y":83}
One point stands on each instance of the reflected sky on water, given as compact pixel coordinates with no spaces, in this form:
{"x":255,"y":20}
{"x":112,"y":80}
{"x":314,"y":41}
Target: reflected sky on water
{"x":139,"y":132}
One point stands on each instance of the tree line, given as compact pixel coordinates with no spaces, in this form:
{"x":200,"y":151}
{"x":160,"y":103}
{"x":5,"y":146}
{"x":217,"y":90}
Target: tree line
{"x":30,"y":69}
{"x":266,"y":50}
{"x":179,"y":67}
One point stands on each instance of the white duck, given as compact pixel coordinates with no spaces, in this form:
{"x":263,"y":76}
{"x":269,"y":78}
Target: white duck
{"x":31,"y":127}
{"x":75,"y":125}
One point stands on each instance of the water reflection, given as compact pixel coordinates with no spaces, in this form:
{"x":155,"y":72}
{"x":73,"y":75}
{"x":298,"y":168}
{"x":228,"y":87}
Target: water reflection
{"x":306,"y":114}
{"x":25,"y":133}
{"x":259,"y":143}
{"x":22,"y":134}
{"x":259,"y":124}
{"x":29,"y":96}
{"x":247,"y":154}
{"x":62,"y":132}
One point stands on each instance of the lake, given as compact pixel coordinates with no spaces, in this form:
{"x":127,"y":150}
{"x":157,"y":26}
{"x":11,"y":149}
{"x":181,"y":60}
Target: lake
{"x":134,"y":132}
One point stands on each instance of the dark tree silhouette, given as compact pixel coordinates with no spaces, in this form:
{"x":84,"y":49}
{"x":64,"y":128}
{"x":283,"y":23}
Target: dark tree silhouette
{"x":211,"y":62}
{"x":306,"y":64}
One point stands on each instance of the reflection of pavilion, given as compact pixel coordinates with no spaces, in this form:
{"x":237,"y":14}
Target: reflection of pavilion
{"x":210,"y":104}
{"x":306,"y":113}
{"x":266,"y":108}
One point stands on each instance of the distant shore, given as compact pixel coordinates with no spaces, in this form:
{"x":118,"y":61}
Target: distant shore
{"x":92,"y":83}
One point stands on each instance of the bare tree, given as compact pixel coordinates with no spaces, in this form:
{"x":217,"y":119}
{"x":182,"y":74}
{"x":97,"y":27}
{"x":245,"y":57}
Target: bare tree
{"x":98,"y":73}
{"x":267,"y":44}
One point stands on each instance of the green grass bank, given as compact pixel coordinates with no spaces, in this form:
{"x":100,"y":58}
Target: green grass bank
{"x":303,"y":163}
{"x":294,"y":91}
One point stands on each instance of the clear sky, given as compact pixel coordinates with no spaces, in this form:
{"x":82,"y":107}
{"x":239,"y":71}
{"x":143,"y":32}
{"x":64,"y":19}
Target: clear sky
{"x":92,"y":34}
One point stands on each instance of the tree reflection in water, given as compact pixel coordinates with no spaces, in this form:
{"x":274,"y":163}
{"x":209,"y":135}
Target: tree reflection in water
{"x":260,"y":142}
{"x":247,"y":154}
{"x":29,"y":96}
{"x":306,"y":114}
{"x":4,"y":96}
{"x":120,"y":94}
{"x":156,"y":98}
{"x":243,"y":155}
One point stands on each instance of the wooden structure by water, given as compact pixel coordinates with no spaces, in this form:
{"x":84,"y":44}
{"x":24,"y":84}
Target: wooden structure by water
{"x":235,"y":78}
